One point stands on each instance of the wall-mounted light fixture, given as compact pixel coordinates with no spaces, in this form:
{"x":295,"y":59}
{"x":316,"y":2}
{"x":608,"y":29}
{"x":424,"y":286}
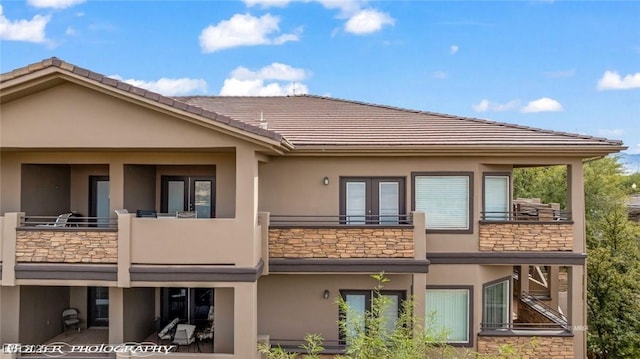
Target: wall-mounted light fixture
{"x":326,"y":294}
{"x":325,"y":181}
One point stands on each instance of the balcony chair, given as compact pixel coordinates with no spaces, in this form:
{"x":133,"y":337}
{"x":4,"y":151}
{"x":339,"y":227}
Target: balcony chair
{"x":185,"y":336}
{"x":206,"y":332}
{"x":186,"y":214}
{"x":70,"y":318}
{"x":121,"y":211}
{"x":61,"y":221}
{"x":146,"y":213}
{"x":168,"y":331}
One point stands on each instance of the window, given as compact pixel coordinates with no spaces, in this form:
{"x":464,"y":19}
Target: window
{"x":448,"y":309}
{"x":372,"y":200}
{"x":445,"y":198}
{"x":359,"y":302}
{"x":495,"y":304}
{"x":496,"y":197}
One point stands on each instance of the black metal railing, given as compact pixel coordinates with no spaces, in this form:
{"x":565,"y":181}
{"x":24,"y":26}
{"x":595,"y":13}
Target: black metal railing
{"x":340,"y":220}
{"x":552,"y":314}
{"x":535,"y":327}
{"x":541,"y":215}
{"x":68,"y":222}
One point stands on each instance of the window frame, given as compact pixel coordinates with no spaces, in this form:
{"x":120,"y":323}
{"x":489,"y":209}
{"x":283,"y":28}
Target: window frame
{"x":508,"y":280}
{"x":467,"y":174}
{"x":470,"y":304}
{"x":509,"y":194}
{"x":369,"y":296}
{"x":372,"y":197}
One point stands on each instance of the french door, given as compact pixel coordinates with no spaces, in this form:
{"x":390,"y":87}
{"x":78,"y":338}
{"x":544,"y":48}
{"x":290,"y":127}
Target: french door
{"x":372,"y":200}
{"x":99,"y":200}
{"x":191,"y":305}
{"x":359,"y":303}
{"x":188,"y":193}
{"x":98,"y":306}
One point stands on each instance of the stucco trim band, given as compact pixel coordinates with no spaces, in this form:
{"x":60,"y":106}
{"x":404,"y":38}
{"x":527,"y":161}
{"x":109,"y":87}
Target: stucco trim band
{"x":565,"y":258}
{"x":67,"y":271}
{"x":349,"y":265}
{"x":195,"y":273}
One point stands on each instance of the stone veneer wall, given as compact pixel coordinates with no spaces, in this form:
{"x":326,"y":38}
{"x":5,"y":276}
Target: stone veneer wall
{"x":526,"y":237}
{"x":78,"y":246}
{"x":341,"y":242}
{"x":529,"y":347}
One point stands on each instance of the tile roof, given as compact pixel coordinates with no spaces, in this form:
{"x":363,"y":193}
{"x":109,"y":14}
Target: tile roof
{"x":314,"y":120}
{"x":309,"y":121}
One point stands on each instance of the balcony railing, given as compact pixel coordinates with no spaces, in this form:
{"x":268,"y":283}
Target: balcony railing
{"x":541,"y":215}
{"x":404,"y":220}
{"x":532,"y":327}
{"x":67,"y":223}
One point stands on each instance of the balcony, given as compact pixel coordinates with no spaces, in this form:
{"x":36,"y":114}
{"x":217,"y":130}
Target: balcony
{"x":337,"y":237}
{"x":531,"y":226}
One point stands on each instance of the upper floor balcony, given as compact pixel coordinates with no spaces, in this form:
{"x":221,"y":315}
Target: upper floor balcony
{"x":531,"y":226}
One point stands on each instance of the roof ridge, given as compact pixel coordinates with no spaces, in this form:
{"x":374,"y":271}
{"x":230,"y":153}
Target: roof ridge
{"x":140,"y":92}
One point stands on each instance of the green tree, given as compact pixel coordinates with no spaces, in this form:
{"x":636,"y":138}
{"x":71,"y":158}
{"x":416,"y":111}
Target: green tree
{"x":613,"y":245}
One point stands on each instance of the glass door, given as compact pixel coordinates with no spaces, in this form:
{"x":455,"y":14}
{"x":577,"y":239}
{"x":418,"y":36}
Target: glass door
{"x":99,"y":200}
{"x":98,"y":306}
{"x":190,"y":305}
{"x":371,"y":200}
{"x":188,"y":193}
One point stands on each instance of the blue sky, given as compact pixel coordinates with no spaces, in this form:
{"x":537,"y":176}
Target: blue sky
{"x":563,"y":65}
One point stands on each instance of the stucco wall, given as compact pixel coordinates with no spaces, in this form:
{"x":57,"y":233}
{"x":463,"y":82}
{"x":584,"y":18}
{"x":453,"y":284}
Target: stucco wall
{"x":341,"y":243}
{"x":56,"y":246}
{"x":526,"y":237}
{"x":41,"y":312}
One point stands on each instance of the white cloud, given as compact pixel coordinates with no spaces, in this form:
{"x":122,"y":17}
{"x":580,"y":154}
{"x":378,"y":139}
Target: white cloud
{"x":544,"y":104}
{"x":244,"y":30}
{"x":439,"y":75}
{"x":368,"y":21}
{"x":486,"y":105}
{"x":634,"y":149}
{"x":612,"y":80}
{"x":267,"y":3}
{"x":615,"y":132}
{"x":70,"y":31}
{"x":274,"y":80}
{"x":454,"y":49}
{"x":24,"y":30}
{"x":54,"y":4}
{"x":169,"y":87}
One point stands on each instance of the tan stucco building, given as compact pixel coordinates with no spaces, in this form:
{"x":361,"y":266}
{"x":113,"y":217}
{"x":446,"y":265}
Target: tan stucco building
{"x":289,"y":202}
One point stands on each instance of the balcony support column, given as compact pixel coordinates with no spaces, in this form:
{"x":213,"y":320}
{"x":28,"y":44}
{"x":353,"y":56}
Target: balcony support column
{"x":575,"y":203}
{"x":247,"y":204}
{"x":245,"y":318}
{"x":116,"y":186}
{"x":9,"y":314}
{"x":9,"y":225}
{"x":116,"y":315}
{"x":577,"y":309}
{"x":554,"y":289}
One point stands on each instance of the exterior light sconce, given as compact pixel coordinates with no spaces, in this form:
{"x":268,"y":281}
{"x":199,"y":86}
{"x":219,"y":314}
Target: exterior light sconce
{"x":326,"y":293}
{"x":325,"y":181}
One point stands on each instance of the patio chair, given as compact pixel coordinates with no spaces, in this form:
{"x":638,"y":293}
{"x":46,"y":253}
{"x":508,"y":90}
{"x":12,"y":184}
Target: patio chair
{"x":168,"y":332}
{"x":146,"y":213}
{"x":61,"y":221}
{"x":70,"y":318}
{"x":121,"y":211}
{"x":186,"y":214}
{"x":185,"y":336}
